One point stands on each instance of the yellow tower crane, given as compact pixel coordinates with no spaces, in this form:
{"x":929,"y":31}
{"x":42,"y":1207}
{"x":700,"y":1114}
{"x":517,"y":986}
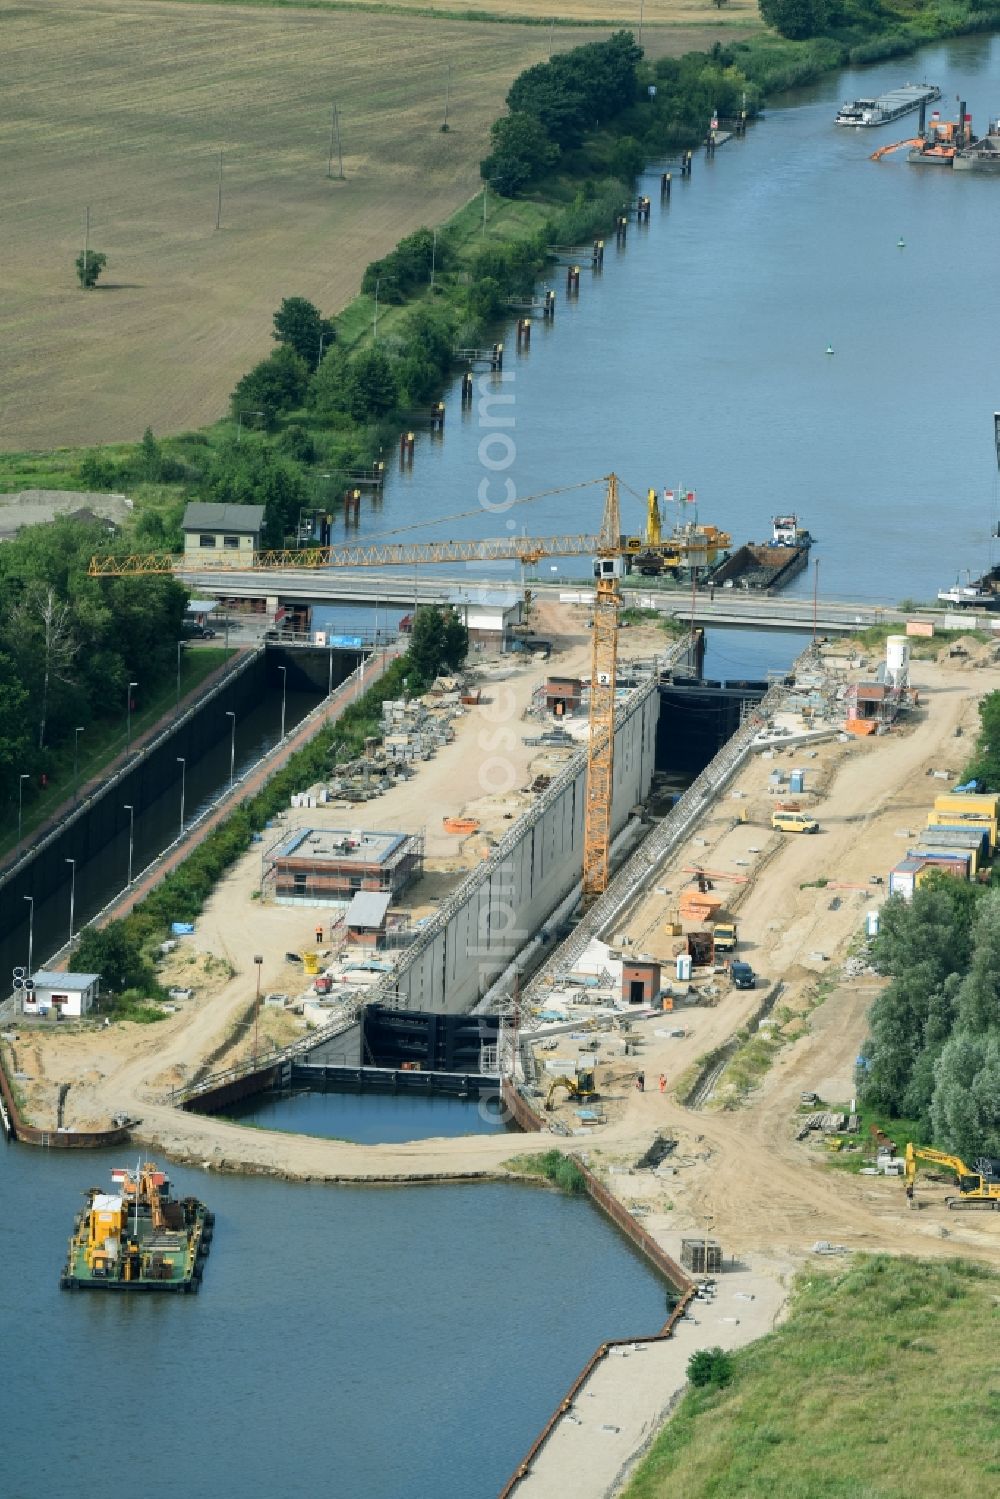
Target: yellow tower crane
{"x":608,"y":549}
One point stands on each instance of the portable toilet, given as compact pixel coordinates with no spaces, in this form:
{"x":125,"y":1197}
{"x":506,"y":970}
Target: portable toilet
{"x":684,"y":967}
{"x":797,"y":782}
{"x":871,"y":924}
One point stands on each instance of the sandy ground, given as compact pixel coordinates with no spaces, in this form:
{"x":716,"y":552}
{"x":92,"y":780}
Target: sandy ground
{"x":122,"y":1069}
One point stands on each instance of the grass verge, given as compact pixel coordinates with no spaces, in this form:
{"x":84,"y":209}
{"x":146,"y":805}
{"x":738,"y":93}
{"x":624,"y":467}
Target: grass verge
{"x":880,"y":1385}
{"x":552,"y":1167}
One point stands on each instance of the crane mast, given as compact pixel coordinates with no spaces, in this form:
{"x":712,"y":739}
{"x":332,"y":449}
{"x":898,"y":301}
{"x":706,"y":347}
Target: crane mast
{"x":608,"y":568}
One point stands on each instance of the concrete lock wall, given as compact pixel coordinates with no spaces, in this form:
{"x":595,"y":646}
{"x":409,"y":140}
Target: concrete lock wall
{"x":503,"y":904}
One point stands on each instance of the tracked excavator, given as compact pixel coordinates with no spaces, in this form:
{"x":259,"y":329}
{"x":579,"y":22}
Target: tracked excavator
{"x":582,"y":1086}
{"x":977,"y":1188}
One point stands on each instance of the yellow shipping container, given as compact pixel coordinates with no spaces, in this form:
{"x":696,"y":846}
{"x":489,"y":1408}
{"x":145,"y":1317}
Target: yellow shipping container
{"x":987,"y":805}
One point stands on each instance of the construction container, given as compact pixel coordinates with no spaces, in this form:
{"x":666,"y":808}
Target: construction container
{"x":937,"y":840}
{"x":963,"y":835}
{"x":702,"y":1256}
{"x":986,"y":804}
{"x":948,"y":818}
{"x":957,"y":863}
{"x":903,"y":879}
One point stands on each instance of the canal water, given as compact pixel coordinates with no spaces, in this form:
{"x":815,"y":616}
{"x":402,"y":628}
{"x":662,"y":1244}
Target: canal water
{"x":371,"y":1118}
{"x":697,"y":360}
{"x":99,"y":842}
{"x":366,"y":1342}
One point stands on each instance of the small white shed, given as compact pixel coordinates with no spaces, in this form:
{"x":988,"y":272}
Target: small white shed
{"x":69,"y":994}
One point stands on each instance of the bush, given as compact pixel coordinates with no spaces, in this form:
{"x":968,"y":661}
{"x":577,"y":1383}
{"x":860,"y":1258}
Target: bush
{"x":710,"y":1366}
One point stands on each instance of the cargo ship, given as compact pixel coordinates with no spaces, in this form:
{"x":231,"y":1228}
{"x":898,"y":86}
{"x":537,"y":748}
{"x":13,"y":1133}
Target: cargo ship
{"x":765,"y":566}
{"x":138,"y":1237}
{"x":867,"y":113}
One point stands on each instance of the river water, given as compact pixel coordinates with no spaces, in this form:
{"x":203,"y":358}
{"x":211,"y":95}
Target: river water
{"x":698,"y":358}
{"x":371,"y":1343}
{"x":391,"y":1343}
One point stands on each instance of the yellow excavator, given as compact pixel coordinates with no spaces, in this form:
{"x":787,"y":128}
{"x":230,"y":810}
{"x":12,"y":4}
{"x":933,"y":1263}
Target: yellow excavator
{"x":977,"y":1188}
{"x":582,"y":1086}
{"x":687,"y":545}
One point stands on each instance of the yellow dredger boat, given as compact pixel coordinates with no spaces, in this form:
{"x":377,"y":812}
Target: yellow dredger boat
{"x":138,"y":1237}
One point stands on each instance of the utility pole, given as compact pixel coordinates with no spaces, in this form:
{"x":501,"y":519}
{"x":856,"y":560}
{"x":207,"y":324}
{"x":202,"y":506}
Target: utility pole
{"x":378,"y":283}
{"x":86,"y":245}
{"x":218,"y":210}
{"x":335,"y":141}
{"x":434,"y":252}
{"x":447,"y":97}
{"x":486,"y":188}
{"x":815,"y":596}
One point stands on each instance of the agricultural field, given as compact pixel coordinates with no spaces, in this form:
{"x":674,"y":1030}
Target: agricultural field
{"x":125,"y":105}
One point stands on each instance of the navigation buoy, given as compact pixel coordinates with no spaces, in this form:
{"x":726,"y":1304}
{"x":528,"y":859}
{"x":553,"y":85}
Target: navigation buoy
{"x":829,"y":348}
{"x":901,"y":243}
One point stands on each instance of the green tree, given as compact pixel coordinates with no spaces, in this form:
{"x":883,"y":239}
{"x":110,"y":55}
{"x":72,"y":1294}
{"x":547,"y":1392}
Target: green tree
{"x":710,"y":1366}
{"x":455,"y":646}
{"x":796,"y":19}
{"x":427,"y":646}
{"x":372,"y":390}
{"x":300,"y":325}
{"x":89,"y":265}
{"x":522,"y":151}
{"x":252,"y":473}
{"x":276,"y":385}
{"x":628,"y":158}
{"x":965,"y":1116}
{"x":439,"y":642}
{"x":150,"y":458}
{"x":116,"y":956}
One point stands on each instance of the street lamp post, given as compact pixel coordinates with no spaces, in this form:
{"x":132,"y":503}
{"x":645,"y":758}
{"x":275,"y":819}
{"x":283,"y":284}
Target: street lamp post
{"x":128,"y":721}
{"x":183,"y":765}
{"x":131,"y":834}
{"x":284,"y":685}
{"x":232,"y":748}
{"x":31,"y":929}
{"x":72,"y":895}
{"x":76,"y":762}
{"x":24,"y":776}
{"x":180,"y":647}
{"x":258,"y":959}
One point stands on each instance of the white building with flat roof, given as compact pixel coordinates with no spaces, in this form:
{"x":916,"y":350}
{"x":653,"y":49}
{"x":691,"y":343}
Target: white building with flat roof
{"x":61,"y":994}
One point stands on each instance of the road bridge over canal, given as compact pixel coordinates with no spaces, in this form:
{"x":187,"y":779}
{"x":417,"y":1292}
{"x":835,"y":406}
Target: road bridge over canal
{"x":408,"y":588}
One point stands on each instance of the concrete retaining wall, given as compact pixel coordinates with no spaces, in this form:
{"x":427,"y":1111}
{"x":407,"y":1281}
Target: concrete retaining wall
{"x":504,"y":903}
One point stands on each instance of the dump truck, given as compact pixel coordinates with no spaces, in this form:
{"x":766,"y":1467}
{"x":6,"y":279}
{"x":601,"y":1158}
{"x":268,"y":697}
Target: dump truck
{"x":725,"y":936}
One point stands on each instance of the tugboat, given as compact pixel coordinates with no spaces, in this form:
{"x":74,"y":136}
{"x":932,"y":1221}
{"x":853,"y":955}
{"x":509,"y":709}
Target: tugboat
{"x":138,"y":1237}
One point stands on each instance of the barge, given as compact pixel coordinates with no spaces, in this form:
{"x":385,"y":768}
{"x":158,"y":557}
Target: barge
{"x":764,"y":567}
{"x":868,"y":113}
{"x":138,"y":1237}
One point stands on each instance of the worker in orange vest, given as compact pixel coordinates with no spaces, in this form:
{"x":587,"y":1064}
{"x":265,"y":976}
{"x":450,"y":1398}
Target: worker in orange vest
{"x":663,"y":1082}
